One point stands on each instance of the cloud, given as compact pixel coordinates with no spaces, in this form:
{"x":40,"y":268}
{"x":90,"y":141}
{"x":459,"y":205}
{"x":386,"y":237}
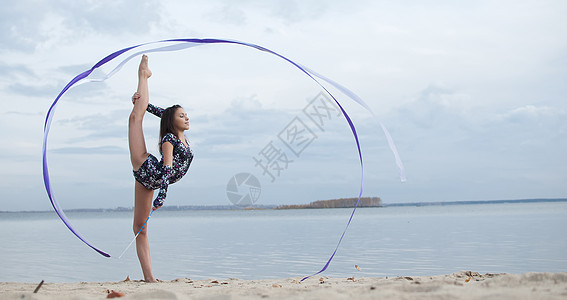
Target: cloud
{"x":228,"y":14}
{"x":32,"y":90}
{"x":532,"y":114}
{"x":238,"y":127}
{"x":102,"y":150}
{"x":437,"y":107}
{"x":74,"y":70}
{"x":24,"y":25}
{"x":297,"y":11}
{"x":446,"y":116}
{"x":531,"y":127}
{"x":101,"y":127}
{"x":15,"y":70}
{"x":24,"y":81}
{"x":247,"y":12}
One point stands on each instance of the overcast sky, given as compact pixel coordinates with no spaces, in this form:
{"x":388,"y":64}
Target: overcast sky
{"x":473,"y":93}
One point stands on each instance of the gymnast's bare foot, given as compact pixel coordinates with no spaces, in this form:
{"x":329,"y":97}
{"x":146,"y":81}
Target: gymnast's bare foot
{"x":151,"y":280}
{"x":144,"y":71}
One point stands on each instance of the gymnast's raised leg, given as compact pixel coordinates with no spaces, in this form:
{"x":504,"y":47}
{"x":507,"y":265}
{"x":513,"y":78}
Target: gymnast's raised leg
{"x":138,"y":154}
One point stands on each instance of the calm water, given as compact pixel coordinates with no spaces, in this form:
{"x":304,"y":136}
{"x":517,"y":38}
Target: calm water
{"x":393,"y":241}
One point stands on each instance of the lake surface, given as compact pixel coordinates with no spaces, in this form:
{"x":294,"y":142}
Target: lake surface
{"x":388,"y":241}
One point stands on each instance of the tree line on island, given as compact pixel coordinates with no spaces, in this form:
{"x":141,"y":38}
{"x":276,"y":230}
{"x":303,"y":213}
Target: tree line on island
{"x":337,"y":203}
{"x":333,"y":203}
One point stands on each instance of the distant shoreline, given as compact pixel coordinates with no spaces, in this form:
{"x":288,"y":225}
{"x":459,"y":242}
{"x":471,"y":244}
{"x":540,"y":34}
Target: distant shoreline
{"x":270,"y":207}
{"x":536,"y":200}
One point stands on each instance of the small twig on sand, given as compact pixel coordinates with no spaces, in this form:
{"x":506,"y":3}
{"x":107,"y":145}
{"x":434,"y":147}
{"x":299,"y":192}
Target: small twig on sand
{"x":38,"y":287}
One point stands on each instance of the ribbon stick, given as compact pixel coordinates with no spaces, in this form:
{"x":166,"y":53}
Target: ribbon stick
{"x":137,"y":234}
{"x":124,"y":55}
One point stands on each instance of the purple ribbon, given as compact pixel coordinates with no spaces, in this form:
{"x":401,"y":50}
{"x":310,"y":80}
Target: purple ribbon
{"x":179,"y":44}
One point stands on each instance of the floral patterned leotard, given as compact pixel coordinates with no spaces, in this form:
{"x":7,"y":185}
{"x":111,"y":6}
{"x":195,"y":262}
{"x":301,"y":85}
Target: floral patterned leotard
{"x":154,"y":174}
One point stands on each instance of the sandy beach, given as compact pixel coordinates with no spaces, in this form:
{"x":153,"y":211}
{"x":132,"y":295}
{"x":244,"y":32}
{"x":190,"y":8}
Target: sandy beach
{"x":460,"y":285}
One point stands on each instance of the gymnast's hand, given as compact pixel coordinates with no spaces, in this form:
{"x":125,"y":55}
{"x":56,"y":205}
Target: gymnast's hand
{"x":157,"y":204}
{"x":135,"y":97}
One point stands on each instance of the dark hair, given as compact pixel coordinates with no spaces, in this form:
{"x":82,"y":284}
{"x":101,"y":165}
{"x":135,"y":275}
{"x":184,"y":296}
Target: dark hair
{"x":166,"y":124}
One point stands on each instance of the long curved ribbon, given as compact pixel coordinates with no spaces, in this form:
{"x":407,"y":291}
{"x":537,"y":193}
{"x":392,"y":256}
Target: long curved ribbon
{"x":179,"y":44}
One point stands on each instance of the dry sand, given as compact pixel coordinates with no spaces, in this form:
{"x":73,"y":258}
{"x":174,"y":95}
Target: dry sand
{"x":461,"y":285}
